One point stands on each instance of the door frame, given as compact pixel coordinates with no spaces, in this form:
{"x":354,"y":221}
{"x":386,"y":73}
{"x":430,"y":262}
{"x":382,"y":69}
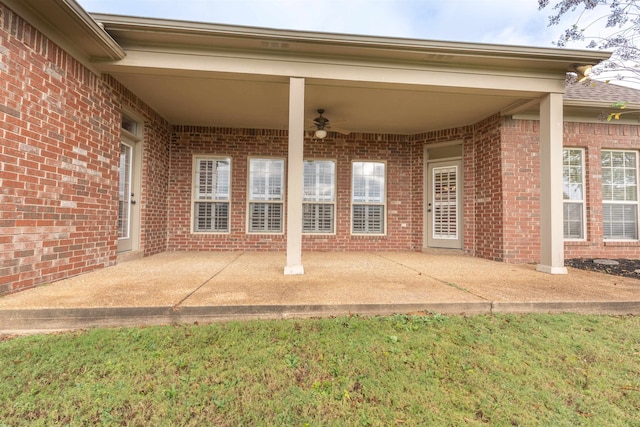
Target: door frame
{"x":134,"y":140}
{"x":427,"y":215}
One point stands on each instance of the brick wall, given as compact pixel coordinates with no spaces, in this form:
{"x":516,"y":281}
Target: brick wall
{"x":59,"y":161}
{"x":466,"y":136}
{"x":594,"y":137}
{"x":153,"y":199}
{"x":59,"y":174}
{"x":522,"y":187}
{"x":487,"y":194}
{"x":501,"y":187}
{"x":520,"y":190}
{"x":59,"y":166}
{"x":239,"y":144}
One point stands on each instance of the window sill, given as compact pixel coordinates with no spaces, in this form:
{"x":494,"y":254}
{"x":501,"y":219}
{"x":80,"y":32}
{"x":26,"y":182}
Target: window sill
{"x":368,"y":236}
{"x":577,"y":243}
{"x":208,"y":233}
{"x":631,"y":243}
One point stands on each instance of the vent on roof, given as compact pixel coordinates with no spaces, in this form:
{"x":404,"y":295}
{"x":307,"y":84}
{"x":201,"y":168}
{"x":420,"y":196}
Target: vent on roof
{"x":437,"y":57}
{"x":275,"y":45}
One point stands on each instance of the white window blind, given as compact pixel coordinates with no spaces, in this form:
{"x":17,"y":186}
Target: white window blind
{"x":445,"y":202}
{"x":368,"y":198}
{"x":212,"y":177}
{"x":124,"y":193}
{"x":266,"y":195}
{"x":620,"y":194}
{"x":265,"y":217}
{"x":368,"y":219}
{"x":319,"y":196}
{"x":573,"y":193}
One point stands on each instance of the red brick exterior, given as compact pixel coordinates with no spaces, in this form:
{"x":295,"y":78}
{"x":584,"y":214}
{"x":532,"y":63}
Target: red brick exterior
{"x":521,"y":168}
{"x":520,"y":190}
{"x":153,"y":200}
{"x":484,"y":185}
{"x":59,"y":162}
{"x":58,"y":173}
{"x":60,"y":144}
{"x":594,"y":137}
{"x":240,"y":144}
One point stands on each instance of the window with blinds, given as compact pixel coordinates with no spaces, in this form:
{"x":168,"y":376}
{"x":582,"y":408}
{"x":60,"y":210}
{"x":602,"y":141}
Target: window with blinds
{"x":211,"y":194}
{"x":368,"y":198}
{"x":573,"y":193}
{"x":266,"y":196}
{"x":319,"y":196}
{"x":620,"y":194}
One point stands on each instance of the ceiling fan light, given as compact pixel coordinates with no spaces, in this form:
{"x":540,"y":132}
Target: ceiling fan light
{"x":320,"y":133}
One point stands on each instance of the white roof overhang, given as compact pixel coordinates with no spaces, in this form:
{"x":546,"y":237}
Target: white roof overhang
{"x":68,"y":25}
{"x":219,"y":75}
{"x":228,"y":76}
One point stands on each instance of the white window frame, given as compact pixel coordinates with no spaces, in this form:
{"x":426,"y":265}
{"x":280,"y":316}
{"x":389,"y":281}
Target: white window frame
{"x":267,"y":200}
{"x":382,"y":203}
{"x":213,"y":199}
{"x":313,"y":199}
{"x":569,"y":199}
{"x":635,"y":202}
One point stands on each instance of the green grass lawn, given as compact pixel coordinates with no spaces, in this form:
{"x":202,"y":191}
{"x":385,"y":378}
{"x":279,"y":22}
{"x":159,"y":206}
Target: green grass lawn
{"x":551,"y":370}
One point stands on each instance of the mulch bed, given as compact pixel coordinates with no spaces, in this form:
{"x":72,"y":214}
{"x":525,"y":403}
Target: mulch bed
{"x":625,"y":267}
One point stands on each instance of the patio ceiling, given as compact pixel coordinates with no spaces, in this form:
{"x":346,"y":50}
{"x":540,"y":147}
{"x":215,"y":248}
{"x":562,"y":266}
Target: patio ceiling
{"x":262,"y":103}
{"x":219,"y":75}
{"x":227,"y":76}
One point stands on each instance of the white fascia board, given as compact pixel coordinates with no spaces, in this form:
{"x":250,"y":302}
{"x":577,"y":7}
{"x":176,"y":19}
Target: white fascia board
{"x":597,"y":104}
{"x":581,"y":118}
{"x":69,"y":26}
{"x":192,"y":63}
{"x":186,"y":29}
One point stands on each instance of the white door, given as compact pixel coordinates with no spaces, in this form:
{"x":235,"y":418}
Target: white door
{"x":127,"y":209}
{"x":444,"y":205}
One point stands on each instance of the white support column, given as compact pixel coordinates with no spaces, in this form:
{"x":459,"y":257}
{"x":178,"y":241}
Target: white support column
{"x":551,"y":212}
{"x":295,"y":177}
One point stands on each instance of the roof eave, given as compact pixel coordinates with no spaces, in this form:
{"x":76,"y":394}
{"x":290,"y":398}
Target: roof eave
{"x":597,"y":104}
{"x":68,"y":24}
{"x":332,"y":41}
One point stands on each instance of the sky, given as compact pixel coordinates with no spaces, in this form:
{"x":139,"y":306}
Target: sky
{"x":512,"y":22}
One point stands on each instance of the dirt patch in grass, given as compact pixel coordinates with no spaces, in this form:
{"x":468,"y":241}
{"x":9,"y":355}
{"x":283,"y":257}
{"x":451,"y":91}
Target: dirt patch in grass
{"x":625,"y":267}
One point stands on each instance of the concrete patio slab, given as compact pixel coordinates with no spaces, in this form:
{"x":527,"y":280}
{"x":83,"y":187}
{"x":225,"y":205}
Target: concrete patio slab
{"x":501,"y":282}
{"x":179,"y":287}
{"x":329,"y":279}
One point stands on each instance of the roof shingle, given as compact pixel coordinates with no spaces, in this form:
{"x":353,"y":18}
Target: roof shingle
{"x":592,"y":90}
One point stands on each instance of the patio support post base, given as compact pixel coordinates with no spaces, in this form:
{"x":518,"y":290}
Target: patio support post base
{"x":292,"y":270}
{"x":551,"y":270}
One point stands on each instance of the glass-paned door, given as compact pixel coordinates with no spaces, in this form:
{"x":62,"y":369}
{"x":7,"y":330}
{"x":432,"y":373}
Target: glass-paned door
{"x":444,"y":208}
{"x":125,"y":198}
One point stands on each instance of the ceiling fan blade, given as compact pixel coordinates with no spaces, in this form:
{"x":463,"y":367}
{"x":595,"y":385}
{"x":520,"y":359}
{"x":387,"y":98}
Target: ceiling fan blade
{"x":339,"y":130}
